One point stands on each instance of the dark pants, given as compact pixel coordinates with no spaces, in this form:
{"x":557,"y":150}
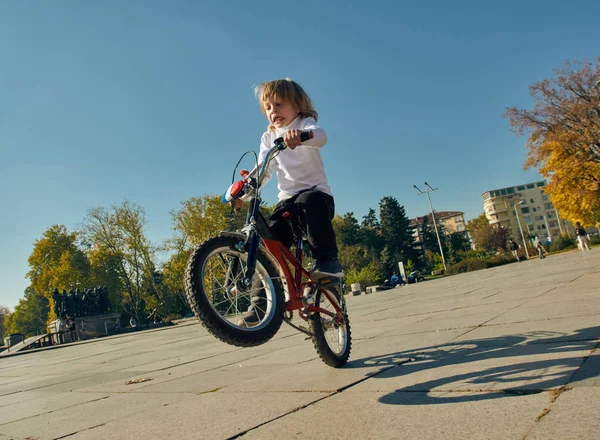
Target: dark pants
{"x":313,"y":211}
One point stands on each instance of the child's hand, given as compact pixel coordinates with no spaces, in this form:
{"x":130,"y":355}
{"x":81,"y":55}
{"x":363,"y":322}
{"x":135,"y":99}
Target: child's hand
{"x":292,"y":138}
{"x":237,"y":205}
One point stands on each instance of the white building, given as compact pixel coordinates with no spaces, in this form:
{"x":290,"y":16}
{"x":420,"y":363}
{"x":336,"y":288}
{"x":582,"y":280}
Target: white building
{"x":528,"y":205}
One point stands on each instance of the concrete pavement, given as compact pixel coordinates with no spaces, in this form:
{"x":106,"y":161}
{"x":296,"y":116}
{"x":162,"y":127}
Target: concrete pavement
{"x":503,"y":353}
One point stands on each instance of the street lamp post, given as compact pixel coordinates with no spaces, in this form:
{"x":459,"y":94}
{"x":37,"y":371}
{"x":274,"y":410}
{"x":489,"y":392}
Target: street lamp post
{"x":558,"y":220}
{"x":547,"y":228}
{"x":427,"y":191}
{"x":521,"y":229}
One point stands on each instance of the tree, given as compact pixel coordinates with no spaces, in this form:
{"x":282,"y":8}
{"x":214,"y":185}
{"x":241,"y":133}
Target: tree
{"x":104,"y":271}
{"x":370,"y":234}
{"x":173,"y":276}
{"x":117,"y":235}
{"x":455,"y":243}
{"x":395,"y":229}
{"x":564,"y":138}
{"x":4,"y":312}
{"x":498,"y":238}
{"x":480,"y":230}
{"x":429,"y":239}
{"x":349,"y":230}
{"x":57,"y":262}
{"x":30,"y":315}
{"x":201,"y":218}
{"x":389,"y":262}
{"x":353,"y":256}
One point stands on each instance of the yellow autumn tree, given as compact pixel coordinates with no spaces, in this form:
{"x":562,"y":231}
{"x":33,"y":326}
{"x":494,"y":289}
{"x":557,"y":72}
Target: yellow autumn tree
{"x":57,"y":263}
{"x":574,"y":184}
{"x":563,"y":142}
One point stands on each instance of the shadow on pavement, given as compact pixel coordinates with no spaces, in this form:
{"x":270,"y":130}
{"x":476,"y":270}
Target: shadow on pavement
{"x":520,"y":377}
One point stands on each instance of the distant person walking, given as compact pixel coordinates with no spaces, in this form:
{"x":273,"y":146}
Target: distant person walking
{"x":582,"y":239}
{"x":514,"y":248}
{"x":540,"y":248}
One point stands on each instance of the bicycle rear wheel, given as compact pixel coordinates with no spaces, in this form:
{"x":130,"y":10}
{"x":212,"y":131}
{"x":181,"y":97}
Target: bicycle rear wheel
{"x":218,"y":299}
{"x":331,"y":339}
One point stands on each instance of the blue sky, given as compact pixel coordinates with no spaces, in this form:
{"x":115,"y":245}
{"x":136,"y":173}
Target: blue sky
{"x":152,"y":101}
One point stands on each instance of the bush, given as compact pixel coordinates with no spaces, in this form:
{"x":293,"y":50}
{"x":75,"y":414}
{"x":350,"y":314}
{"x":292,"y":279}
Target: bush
{"x":561,"y":243}
{"x":472,"y":254}
{"x":472,"y":264}
{"x":369,"y":275}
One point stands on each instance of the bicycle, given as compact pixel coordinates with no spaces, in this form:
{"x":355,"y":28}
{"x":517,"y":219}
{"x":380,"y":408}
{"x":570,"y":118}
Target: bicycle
{"x":228,"y":273}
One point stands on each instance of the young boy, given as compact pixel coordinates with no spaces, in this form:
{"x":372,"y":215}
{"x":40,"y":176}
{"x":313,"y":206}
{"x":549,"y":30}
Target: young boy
{"x":303,"y":187}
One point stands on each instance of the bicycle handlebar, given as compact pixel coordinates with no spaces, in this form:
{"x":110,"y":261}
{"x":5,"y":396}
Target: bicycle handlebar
{"x":279,"y":145}
{"x":238,"y":188}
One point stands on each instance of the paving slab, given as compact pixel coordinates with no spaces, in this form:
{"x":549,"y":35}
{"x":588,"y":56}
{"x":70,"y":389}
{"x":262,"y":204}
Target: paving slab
{"x":409,"y":416}
{"x":67,"y":421}
{"x":509,"y":352}
{"x":210,"y":415}
{"x":574,"y":415}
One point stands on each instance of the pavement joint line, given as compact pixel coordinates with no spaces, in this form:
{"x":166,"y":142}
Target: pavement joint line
{"x":556,"y":393}
{"x":576,"y":278}
{"x":493,"y":294}
{"x":338,"y":391}
{"x":81,"y":430}
{"x":55,"y":410}
{"x":185,"y":363}
{"x":196,"y":372}
{"x":473,"y":327}
{"x":506,"y":311}
{"x":153,"y":371}
{"x":474,"y":290}
{"x":439,"y":311}
{"x":585,"y":359}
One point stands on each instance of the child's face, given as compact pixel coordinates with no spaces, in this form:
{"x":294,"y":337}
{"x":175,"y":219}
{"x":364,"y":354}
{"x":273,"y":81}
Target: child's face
{"x":280,"y":114}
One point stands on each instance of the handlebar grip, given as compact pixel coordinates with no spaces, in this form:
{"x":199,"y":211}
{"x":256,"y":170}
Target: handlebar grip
{"x":306,"y":136}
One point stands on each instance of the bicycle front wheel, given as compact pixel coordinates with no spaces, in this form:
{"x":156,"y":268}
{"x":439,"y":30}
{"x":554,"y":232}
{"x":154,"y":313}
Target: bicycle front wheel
{"x":220,"y":301}
{"x":331,"y":339}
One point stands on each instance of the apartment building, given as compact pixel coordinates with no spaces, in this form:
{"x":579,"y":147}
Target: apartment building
{"x":452,"y":221}
{"x":528,"y":206}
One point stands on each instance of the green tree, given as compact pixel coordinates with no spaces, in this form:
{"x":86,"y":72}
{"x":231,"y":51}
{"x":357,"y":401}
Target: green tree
{"x":429,"y":239}
{"x":173,"y":276}
{"x":30,"y":315}
{"x":104,"y":271}
{"x":396,"y":230}
{"x":456,"y":243}
{"x":480,"y":231}
{"x":4,"y":312}
{"x":349,"y":231}
{"x":354,"y":256}
{"x":370,"y":234}
{"x":58,"y":262}
{"x":389,"y":262}
{"x":117,"y":235}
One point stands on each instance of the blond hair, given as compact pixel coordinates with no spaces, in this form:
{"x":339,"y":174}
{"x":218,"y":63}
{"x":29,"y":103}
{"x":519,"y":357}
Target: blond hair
{"x":285,"y":90}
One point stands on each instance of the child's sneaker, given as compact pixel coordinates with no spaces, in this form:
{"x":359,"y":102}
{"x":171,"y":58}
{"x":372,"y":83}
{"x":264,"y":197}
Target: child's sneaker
{"x":327,"y":268}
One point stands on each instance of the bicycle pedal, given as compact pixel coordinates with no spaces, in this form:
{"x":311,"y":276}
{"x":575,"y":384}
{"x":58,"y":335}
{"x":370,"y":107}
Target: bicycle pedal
{"x":327,"y":281}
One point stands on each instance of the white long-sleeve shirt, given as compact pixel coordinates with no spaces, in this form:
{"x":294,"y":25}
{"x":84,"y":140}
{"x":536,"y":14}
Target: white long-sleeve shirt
{"x":298,"y":169}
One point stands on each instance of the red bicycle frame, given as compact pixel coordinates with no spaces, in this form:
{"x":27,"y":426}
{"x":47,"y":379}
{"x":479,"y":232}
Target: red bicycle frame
{"x":294,"y":281}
